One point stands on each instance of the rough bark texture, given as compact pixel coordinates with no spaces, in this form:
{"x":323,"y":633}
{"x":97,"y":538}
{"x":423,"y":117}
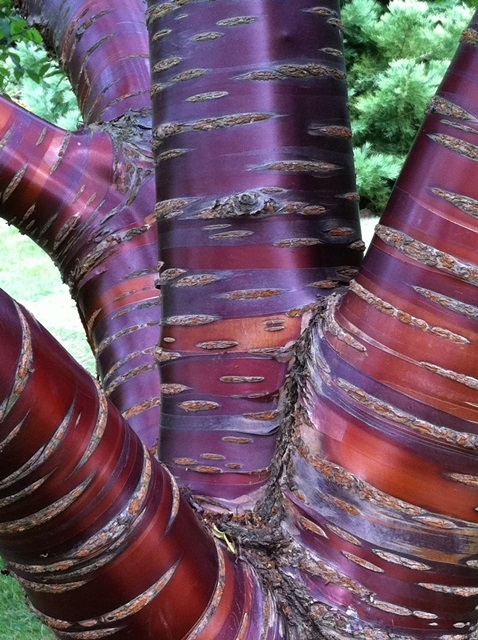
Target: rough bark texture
{"x":92,"y":526}
{"x":382,"y":477}
{"x":327,"y":439}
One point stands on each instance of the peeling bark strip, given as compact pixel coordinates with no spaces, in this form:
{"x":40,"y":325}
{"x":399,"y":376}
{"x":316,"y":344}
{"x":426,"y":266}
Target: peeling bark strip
{"x":166,"y":131}
{"x":234,"y":292}
{"x":464,"y":203}
{"x":23,"y":371}
{"x":384,"y":445}
{"x":13,"y":184}
{"x":456,"y":144}
{"x":470,"y":37}
{"x":299,"y":166}
{"x":384,"y":410}
{"x":69,"y":486}
{"x":468,"y":310}
{"x":402,"y":316}
{"x":452,"y":375}
{"x":428,"y":255}
{"x":286,"y":71}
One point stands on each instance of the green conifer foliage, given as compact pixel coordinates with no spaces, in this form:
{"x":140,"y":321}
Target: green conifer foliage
{"x":397,"y":53}
{"x":29,"y":76}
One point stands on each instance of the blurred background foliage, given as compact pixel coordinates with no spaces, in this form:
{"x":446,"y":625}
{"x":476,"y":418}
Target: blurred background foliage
{"x":396,"y":53}
{"x":28,"y":74}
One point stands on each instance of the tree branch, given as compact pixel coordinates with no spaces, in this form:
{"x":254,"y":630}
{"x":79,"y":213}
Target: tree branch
{"x":386,"y":438}
{"x":103,"y":47}
{"x":91,"y":525}
{"x":87,"y":199}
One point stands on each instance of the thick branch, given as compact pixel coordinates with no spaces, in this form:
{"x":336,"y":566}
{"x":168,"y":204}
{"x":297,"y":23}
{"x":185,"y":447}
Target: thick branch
{"x":87,"y":199}
{"x":386,"y":438}
{"x":103,"y":47}
{"x":91,"y":525}
{"x":256,"y":220}
{"x":45,"y":171}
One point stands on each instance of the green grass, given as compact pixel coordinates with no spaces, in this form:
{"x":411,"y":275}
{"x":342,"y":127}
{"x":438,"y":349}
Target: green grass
{"x":28,"y":275}
{"x":16,"y":620}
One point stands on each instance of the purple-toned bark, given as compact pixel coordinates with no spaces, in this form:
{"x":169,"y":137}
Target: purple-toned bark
{"x":103,"y":47}
{"x":358,"y":453}
{"x":87,"y":197}
{"x":385,"y":468}
{"x":257,"y":220}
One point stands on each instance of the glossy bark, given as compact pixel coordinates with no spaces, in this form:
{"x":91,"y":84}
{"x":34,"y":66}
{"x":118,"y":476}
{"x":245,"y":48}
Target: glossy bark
{"x":257,"y":220}
{"x":104,"y":50}
{"x":91,"y":525}
{"x":386,"y":463}
{"x":87,"y":197}
{"x":358,"y":453}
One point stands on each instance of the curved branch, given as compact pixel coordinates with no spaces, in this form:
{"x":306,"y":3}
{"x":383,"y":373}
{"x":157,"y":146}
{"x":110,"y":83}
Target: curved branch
{"x":87,"y":199}
{"x":387,"y":438}
{"x":44,"y":168}
{"x":91,"y":525}
{"x":103,"y":47}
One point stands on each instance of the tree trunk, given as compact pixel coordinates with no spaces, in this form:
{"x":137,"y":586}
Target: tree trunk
{"x":326,"y":439}
{"x":251,"y":242}
{"x":382,"y":477}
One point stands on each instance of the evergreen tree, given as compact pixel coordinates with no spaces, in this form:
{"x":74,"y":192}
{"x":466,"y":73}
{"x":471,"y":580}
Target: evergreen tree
{"x":29,"y":75}
{"x":396,"y":54}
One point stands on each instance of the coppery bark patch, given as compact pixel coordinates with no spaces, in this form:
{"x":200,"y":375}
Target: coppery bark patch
{"x":444,"y":107}
{"x":198,"y":405}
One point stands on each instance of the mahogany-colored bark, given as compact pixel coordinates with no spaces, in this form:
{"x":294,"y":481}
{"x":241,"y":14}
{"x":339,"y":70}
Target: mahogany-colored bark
{"x":385,"y":465}
{"x":91,"y":525}
{"x":103,"y":47}
{"x":359,"y":460}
